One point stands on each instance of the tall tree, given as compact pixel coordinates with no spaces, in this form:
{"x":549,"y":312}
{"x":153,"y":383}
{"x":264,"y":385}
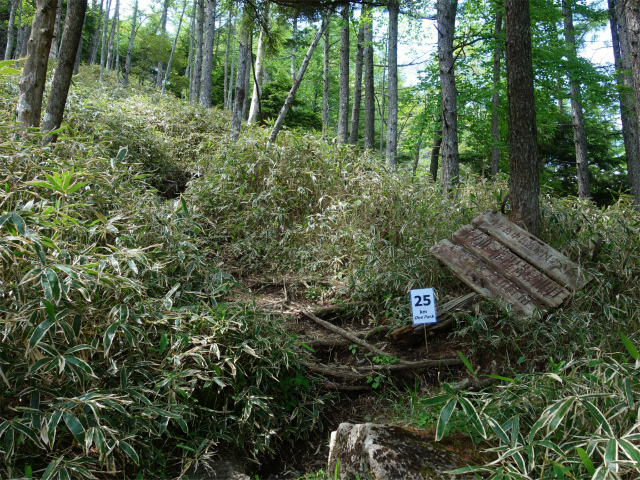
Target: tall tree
{"x":624,"y":80}
{"x":19,"y":30}
{"x":357,"y":87}
{"x":577,"y":117}
{"x":294,"y":47}
{"x":76,"y":10}
{"x":495,"y":100}
{"x":53,"y":52}
{"x":243,"y":63}
{"x":369,"y":92}
{"x":523,"y":158}
{"x":163,"y":32}
{"x":325,"y":85}
{"x":296,"y":84}
{"x":95,"y":38}
{"x":197,"y":62}
{"x":76,"y":65}
{"x":103,"y":52}
{"x":227,"y":74}
{"x":112,"y":35}
{"x":392,"y":116}
{"x":450,"y":156}
{"x":173,"y":48}
{"x":10,"y":29}
{"x":257,"y":71}
{"x":207,"y":54}
{"x":127,"y":62}
{"x":34,"y":72}
{"x":343,"y":102}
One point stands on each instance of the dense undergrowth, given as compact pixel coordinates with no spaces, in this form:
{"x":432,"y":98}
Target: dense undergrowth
{"x":121,"y":350}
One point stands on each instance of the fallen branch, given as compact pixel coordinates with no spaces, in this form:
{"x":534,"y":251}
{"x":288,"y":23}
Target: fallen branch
{"x":403,"y":365}
{"x":343,"y":332}
{"x":345,"y":388}
{"x":340,"y":372}
{"x":474,"y":384}
{"x":342,"y":342}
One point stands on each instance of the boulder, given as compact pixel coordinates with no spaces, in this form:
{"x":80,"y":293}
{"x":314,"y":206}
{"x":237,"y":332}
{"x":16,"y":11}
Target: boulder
{"x":223,"y":469}
{"x":386,"y":452}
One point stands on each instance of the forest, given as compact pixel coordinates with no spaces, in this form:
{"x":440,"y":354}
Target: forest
{"x":212,"y":214}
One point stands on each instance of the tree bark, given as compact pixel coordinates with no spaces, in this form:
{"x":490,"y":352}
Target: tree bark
{"x":579,"y":132}
{"x":53,"y":52}
{"x":192,"y":27}
{"x":103,"y":51}
{"x":628,"y":114}
{"x":226,"y":56}
{"x":247,"y":77}
{"x":19,"y":32}
{"x":343,"y":103}
{"x":173,"y":49}
{"x":495,"y":100}
{"x":523,"y":158}
{"x":197,"y":62}
{"x":10,"y":30}
{"x":357,"y":88}
{"x":294,"y":88}
{"x":254,"y":110}
{"x":76,"y":10}
{"x":435,"y":155}
{"x":127,"y":63}
{"x":207,"y":54}
{"x":230,"y":93}
{"x":392,"y":116}
{"x":450,"y":156}
{"x":112,"y":36}
{"x":369,"y":92}
{"x":163,"y":32}
{"x":325,"y":85}
{"x":240,"y":92}
{"x":95,"y":37}
{"x":34,"y":72}
{"x":76,"y":65}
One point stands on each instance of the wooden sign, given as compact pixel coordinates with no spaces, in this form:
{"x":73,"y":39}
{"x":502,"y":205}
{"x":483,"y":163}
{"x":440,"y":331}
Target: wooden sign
{"x":500,"y":260}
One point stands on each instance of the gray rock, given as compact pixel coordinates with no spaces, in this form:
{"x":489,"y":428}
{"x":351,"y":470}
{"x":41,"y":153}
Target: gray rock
{"x":227,"y":469}
{"x":386,"y":452}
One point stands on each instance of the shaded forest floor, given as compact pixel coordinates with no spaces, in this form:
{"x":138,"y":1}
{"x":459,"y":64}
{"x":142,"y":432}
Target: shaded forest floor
{"x":207,"y":264}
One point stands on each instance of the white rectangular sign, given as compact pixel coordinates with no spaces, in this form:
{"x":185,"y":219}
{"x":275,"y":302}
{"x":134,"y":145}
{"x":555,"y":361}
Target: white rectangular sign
{"x":423,"y":306}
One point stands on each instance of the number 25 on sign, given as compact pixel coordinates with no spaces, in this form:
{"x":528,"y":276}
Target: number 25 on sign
{"x":423,"y":306}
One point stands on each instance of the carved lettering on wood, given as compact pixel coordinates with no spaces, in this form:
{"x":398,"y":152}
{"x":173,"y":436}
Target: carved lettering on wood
{"x":541,"y":288}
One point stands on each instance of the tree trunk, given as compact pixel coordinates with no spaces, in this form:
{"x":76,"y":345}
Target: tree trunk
{"x":495,"y":100}
{"x":257,"y":69}
{"x":76,"y":65}
{"x":53,"y":53}
{"x":192,"y":27}
{"x":416,"y":159}
{"x":103,"y":51}
{"x":628,"y":114}
{"x":523,"y":157}
{"x":233,"y":67}
{"x":112,"y":36}
{"x":34,"y":72}
{"x":294,"y":88}
{"x":227,"y":75}
{"x":343,"y":104}
{"x":369,"y":92}
{"x":117,"y":51}
{"x":435,"y":155}
{"x":26,"y":35}
{"x":197,"y":62}
{"x":173,"y":49}
{"x":392,"y":116}
{"x":247,"y":77}
{"x":95,"y":37}
{"x":357,"y":88}
{"x":325,"y":85}
{"x":76,"y":10}
{"x":19,"y":32}
{"x":450,"y":156}
{"x":127,"y":62}
{"x":10,"y":30}
{"x":240,"y":93}
{"x":163,"y":32}
{"x":579,"y":132}
{"x":207,"y":54}
{"x":382,"y":117}
{"x":294,"y":47}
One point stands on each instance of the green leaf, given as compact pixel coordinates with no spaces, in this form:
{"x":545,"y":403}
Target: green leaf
{"x":445,"y":415}
{"x":599,"y":417}
{"x":466,"y":363}
{"x":630,"y":450}
{"x":560,"y":413}
{"x":631,"y":348}
{"x":51,"y":312}
{"x":184,"y":206}
{"x":53,"y":424}
{"x":108,"y":337}
{"x":18,"y":222}
{"x":74,"y":426}
{"x":76,"y":186}
{"x":51,"y":469}
{"x":611,"y":454}
{"x":129,"y":450}
{"x":427,"y":402}
{"x":50,"y":285}
{"x":586,"y":460}
{"x":39,"y":332}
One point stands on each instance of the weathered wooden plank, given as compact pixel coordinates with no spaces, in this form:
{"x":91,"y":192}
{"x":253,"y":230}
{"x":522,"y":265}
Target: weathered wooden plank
{"x":481,"y":278}
{"x":540,"y":287}
{"x":550,"y":261}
